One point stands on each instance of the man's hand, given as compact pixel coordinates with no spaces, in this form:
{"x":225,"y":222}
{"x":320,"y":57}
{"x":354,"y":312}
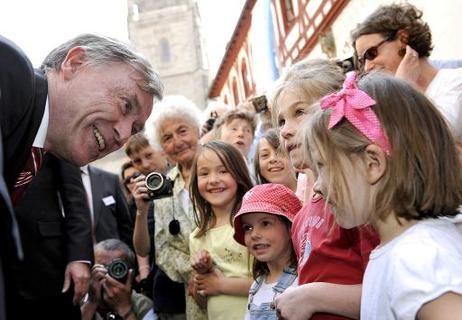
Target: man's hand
{"x":117,"y":295}
{"x":202,"y":262}
{"x":98,"y":273}
{"x":79,"y":274}
{"x":292,"y":305}
{"x":89,"y":308}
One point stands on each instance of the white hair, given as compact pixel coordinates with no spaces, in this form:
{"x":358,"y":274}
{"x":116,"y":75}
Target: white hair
{"x":171,"y":107}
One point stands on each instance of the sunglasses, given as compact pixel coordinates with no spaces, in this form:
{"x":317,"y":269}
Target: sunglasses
{"x":127,"y":180}
{"x":372,"y":52}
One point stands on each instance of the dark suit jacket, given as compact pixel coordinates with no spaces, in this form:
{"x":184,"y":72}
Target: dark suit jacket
{"x":111,"y":215}
{"x":23,"y":94}
{"x":52,"y":238}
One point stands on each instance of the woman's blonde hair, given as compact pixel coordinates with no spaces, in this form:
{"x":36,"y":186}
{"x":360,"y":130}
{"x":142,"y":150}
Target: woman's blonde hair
{"x":314,"y":78}
{"x":423,"y":178}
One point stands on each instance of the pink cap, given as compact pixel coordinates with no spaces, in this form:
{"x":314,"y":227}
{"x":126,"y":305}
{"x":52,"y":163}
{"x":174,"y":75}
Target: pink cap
{"x":269,"y":198}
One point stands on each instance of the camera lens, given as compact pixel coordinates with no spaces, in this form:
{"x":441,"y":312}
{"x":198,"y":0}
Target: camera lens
{"x":154,"y":181}
{"x":118,"y":269}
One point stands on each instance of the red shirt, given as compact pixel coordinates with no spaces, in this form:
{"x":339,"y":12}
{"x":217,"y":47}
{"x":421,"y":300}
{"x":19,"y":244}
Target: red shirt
{"x":328,"y":253}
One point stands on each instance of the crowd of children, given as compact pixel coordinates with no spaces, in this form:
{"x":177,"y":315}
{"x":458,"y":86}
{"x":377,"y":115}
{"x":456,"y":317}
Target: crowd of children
{"x":354,"y":209}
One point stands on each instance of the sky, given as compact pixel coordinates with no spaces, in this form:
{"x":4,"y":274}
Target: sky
{"x":38,"y":26}
{"x":219,"y":18}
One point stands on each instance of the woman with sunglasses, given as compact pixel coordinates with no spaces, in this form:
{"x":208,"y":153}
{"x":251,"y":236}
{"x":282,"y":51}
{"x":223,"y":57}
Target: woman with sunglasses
{"x":395,"y":39}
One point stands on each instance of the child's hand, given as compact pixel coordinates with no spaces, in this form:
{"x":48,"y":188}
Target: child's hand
{"x":140,"y":194}
{"x":191,"y":285}
{"x":209,"y":284}
{"x":202,"y":262}
{"x":199,"y":297}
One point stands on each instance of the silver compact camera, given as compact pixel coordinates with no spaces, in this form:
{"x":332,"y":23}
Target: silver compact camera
{"x":159,"y":186}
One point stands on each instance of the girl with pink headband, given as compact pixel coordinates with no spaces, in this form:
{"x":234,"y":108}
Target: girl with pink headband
{"x":331,"y":260}
{"x":384,"y":156}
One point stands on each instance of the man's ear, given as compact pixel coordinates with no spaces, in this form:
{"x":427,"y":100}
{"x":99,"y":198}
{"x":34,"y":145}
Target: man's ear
{"x":376,"y":163}
{"x":403,"y":36}
{"x":74,"y":59}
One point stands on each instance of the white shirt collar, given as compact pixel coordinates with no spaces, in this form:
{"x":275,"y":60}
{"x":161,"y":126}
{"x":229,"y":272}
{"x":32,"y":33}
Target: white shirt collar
{"x":39,"y":140}
{"x":84,"y":169}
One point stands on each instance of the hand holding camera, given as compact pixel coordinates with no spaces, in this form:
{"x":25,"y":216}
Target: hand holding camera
{"x":118,"y":287}
{"x":260,"y":104}
{"x":111,"y":286}
{"x":159,"y":186}
{"x":140,"y":195}
{"x":98,"y":273}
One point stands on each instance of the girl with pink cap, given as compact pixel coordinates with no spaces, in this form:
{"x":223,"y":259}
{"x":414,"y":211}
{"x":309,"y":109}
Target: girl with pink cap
{"x":263,"y":225}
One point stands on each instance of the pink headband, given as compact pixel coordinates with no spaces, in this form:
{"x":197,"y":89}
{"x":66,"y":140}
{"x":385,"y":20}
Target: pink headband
{"x":355,"y":105}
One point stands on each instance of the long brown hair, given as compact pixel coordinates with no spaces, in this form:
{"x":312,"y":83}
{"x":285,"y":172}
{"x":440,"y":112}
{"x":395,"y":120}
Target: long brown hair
{"x":234,"y":162}
{"x":423,"y":177}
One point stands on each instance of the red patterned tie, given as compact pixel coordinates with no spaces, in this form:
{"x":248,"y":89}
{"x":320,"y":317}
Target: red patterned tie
{"x":27,"y":174}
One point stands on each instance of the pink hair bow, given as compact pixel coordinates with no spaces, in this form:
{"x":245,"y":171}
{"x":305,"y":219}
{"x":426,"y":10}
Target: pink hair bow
{"x":355,"y":106}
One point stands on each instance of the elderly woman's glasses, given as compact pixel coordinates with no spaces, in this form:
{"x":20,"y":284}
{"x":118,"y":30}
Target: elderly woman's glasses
{"x":372,"y":52}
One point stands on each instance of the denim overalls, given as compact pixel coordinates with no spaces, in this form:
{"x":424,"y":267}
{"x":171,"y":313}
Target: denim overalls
{"x":265,"y":310}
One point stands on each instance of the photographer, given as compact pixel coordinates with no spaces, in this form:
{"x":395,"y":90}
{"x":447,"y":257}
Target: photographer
{"x":110,"y":295}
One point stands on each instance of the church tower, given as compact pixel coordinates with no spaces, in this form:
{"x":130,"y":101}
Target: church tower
{"x":167,"y":32}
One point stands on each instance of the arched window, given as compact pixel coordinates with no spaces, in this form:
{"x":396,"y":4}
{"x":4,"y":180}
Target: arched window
{"x":164,"y":50}
{"x":235,"y":92}
{"x":288,"y":14}
{"x":245,"y":78}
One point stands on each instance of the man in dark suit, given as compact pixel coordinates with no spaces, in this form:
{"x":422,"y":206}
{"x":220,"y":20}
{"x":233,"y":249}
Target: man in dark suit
{"x":109,"y":210}
{"x":90,"y":95}
{"x":56,"y":237}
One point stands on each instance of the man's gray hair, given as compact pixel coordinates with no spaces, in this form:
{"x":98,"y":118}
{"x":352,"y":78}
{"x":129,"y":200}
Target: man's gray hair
{"x":101,"y":50}
{"x":117,"y":245}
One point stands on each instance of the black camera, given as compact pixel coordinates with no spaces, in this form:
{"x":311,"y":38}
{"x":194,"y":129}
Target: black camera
{"x":209,"y":123}
{"x":260,"y":103}
{"x":159,"y":186}
{"x":118,"y":269}
{"x":347,"y":64}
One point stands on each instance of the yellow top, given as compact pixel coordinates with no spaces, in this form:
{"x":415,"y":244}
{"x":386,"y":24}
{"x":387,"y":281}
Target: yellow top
{"x":233,"y":260}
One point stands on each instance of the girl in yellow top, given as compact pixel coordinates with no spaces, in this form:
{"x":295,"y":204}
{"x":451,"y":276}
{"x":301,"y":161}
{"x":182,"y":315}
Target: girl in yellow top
{"x":221,"y":279}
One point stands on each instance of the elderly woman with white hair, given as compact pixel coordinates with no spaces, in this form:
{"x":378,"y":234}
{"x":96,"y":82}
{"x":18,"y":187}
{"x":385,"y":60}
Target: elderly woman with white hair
{"x":176,"y":128}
